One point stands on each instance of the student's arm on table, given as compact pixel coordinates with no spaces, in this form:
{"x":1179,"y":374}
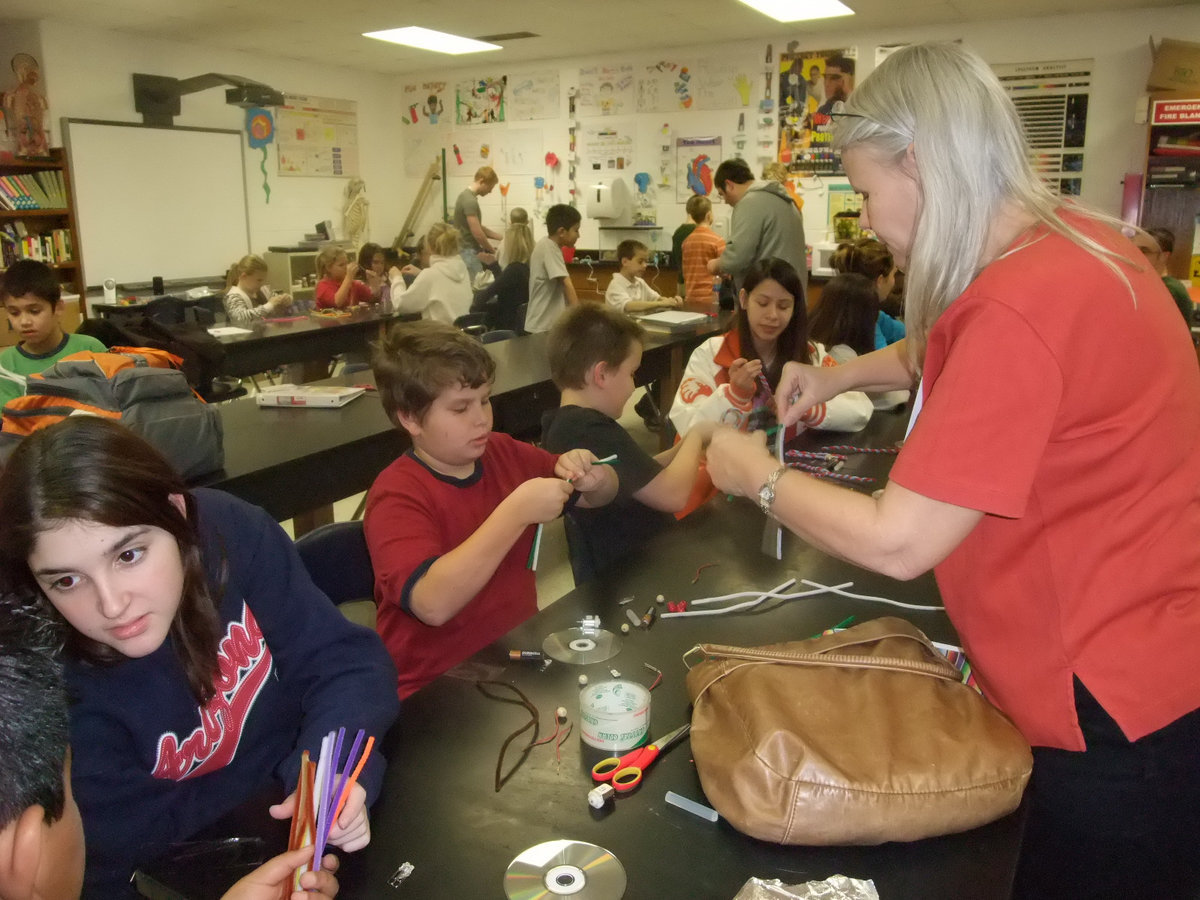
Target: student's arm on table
{"x":899,"y":533}
{"x":268,"y":881}
{"x":670,"y":489}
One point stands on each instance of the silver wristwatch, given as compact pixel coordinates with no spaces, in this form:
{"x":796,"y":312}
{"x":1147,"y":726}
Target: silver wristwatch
{"x":766,"y":493}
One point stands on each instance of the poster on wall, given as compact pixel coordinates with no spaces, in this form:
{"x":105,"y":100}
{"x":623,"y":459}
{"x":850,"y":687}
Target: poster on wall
{"x":608,"y":148}
{"x":665,"y":86}
{"x":317,"y":136}
{"x":812,"y":85}
{"x":722,"y":86}
{"x":1052,"y":103}
{"x":605,"y":91}
{"x":532,"y":96}
{"x":425,"y":103}
{"x":423,"y":146}
{"x":695,"y":161}
{"x":479,"y":102}
{"x":509,"y":151}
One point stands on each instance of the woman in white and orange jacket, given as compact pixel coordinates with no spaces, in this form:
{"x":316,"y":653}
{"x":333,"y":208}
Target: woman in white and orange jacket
{"x":722,"y":381}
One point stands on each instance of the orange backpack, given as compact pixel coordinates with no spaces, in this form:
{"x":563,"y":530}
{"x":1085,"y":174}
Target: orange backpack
{"x":142,"y":388}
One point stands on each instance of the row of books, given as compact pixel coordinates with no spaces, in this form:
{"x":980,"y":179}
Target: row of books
{"x":33,"y":190}
{"x":51,"y":247}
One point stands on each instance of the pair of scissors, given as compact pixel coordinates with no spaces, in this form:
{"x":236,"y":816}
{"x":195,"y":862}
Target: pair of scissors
{"x":624,"y":773}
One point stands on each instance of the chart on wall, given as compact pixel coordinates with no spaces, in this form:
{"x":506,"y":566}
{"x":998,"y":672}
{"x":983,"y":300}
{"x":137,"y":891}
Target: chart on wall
{"x":812,"y":85}
{"x":695,"y":161}
{"x":480,"y":101}
{"x":608,"y":148}
{"x":605,"y":91}
{"x":665,"y":86}
{"x":509,"y":151}
{"x":533,"y":95}
{"x":317,"y":136}
{"x":425,"y":103}
{"x":1052,"y":102}
{"x":722,"y":86}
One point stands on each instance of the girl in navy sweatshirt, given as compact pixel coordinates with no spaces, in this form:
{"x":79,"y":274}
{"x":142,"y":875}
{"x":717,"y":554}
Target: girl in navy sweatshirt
{"x":201,"y":657}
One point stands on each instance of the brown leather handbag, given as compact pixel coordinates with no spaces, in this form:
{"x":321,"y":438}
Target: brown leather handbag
{"x":858,"y":737}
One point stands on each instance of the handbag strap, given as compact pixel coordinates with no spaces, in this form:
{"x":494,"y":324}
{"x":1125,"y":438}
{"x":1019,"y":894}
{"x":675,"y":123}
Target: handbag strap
{"x":941,"y":670}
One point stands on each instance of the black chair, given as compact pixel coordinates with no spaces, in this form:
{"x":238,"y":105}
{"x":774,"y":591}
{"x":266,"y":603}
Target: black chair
{"x":472,"y":323}
{"x":583,"y":563}
{"x":339,"y":564}
{"x":521,"y":310}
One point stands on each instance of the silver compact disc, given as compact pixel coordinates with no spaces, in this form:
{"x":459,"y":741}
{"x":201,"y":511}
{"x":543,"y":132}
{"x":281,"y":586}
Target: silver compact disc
{"x":565,"y":869}
{"x":581,"y":648}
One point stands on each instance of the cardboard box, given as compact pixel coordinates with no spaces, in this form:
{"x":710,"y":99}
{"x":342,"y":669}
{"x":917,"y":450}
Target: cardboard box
{"x":1176,"y":66}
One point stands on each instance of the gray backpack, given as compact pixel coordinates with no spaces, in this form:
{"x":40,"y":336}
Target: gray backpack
{"x":142,"y":388}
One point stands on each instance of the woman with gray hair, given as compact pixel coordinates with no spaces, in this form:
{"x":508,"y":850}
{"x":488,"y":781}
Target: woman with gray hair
{"x":1048,"y":476}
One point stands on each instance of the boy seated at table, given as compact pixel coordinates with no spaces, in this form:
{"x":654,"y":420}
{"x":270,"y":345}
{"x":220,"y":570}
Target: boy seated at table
{"x":627,"y":290}
{"x":450,"y":524}
{"x":594,"y":352}
{"x":41,"y":835}
{"x":33,"y":302}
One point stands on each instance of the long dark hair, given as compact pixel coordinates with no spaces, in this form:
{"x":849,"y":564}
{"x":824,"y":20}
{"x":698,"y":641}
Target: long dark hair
{"x":792,"y":344}
{"x":846,"y":313}
{"x":93,"y":469}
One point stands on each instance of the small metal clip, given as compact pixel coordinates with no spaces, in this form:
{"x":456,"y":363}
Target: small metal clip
{"x":400,"y":874}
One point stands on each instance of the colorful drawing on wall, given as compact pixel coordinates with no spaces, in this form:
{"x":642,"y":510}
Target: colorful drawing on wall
{"x":480,"y":102}
{"x":719,"y":85}
{"x":260,"y":130}
{"x":532,"y":96}
{"x":25,"y":109}
{"x":813,"y":85}
{"x":605,"y":91}
{"x":664,"y":87}
{"x":696,"y":159}
{"x":424,"y":103}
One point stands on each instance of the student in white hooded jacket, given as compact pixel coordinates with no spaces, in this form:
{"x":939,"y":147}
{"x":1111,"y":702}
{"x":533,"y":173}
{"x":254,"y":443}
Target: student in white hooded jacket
{"x":442,"y":290}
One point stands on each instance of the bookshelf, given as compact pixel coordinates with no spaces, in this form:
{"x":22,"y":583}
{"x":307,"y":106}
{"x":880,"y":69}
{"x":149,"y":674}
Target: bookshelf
{"x":289,"y":270}
{"x":45,"y":222}
{"x":1171,"y":197}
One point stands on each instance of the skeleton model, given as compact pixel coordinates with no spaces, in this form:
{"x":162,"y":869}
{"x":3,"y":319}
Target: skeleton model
{"x":356,"y":213}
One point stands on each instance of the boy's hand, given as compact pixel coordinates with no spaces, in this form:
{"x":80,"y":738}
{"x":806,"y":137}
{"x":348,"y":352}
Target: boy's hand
{"x":703,"y":430}
{"x":575,"y":466}
{"x":351,"y":831}
{"x":540,"y":499}
{"x":267,"y":882}
{"x":742,"y":376}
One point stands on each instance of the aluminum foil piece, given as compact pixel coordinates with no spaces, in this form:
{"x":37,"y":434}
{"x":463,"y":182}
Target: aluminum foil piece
{"x":836,"y":887}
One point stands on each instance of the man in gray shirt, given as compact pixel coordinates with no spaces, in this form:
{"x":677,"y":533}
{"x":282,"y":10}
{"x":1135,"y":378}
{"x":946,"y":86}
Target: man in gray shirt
{"x":475,"y":237}
{"x":765,"y":223}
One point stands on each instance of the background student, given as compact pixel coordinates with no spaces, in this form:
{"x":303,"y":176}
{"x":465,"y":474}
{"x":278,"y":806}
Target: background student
{"x":846,"y":321}
{"x":33,"y":303}
{"x":247,"y":298}
{"x":501,"y":300}
{"x":1051,"y":486}
{"x":442,"y":290}
{"x":372,"y":269}
{"x":594,"y":352}
{"x":699,"y":248}
{"x":517,"y":217}
{"x":201,"y":657}
{"x":627,"y":291}
{"x":476,"y":238}
{"x":721,"y":383}
{"x":550,"y":288}
{"x":41,"y":833}
{"x":450,"y":524}
{"x":873,"y":260}
{"x":338,"y":287}
{"x":1157,"y":245}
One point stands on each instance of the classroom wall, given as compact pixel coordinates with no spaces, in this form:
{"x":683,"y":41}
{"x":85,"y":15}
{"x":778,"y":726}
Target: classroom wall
{"x":88,"y":72}
{"x":1115,"y":145}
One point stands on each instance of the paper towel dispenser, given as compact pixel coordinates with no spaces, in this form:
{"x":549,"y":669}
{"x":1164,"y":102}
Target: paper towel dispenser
{"x":609,"y":199}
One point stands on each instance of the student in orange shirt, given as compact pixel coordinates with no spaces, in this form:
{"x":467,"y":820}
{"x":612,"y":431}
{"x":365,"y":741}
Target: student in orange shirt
{"x":702,"y":245}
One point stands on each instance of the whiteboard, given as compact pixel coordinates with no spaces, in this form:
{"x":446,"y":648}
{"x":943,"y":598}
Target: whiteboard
{"x":157,"y":201}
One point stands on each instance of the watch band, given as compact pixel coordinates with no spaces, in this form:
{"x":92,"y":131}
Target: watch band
{"x":766,"y":493}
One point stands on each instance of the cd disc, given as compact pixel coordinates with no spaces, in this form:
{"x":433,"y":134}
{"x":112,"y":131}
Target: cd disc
{"x":565,"y":869}
{"x":581,"y":648}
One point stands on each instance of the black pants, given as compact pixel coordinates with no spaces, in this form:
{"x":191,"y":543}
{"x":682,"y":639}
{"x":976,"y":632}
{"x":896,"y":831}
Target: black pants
{"x":1121,"y":820}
